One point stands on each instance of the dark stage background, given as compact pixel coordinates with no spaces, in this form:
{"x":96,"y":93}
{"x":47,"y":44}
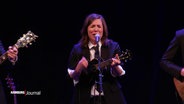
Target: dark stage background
{"x":143,"y":26}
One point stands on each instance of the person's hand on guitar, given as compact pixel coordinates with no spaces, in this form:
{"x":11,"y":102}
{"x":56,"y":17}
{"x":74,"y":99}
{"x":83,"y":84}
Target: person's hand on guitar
{"x":115,"y":61}
{"x":82,"y":65}
{"x":117,"y":69}
{"x":12,"y":54}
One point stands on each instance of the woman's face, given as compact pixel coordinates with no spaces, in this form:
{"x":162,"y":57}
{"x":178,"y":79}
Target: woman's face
{"x":96,"y":27}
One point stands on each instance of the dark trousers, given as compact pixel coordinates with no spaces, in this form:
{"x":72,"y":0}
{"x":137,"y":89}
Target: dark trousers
{"x":97,"y":100}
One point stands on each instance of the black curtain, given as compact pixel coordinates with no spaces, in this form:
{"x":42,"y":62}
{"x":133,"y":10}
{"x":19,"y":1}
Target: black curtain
{"x":144,"y":27}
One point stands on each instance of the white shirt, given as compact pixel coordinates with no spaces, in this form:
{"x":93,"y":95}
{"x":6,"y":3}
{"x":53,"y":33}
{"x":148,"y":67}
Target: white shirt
{"x":94,"y":92}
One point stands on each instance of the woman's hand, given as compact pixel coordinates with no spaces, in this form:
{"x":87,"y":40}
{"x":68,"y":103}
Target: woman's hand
{"x":115,"y":61}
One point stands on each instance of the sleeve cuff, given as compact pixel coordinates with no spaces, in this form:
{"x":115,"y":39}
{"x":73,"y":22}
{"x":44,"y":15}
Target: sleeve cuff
{"x":120,"y":67}
{"x":70,"y":71}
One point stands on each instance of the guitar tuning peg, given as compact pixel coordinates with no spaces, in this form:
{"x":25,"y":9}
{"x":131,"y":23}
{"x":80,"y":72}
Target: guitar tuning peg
{"x":24,"y":35}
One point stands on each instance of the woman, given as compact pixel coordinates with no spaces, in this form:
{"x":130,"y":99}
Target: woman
{"x":96,"y":85}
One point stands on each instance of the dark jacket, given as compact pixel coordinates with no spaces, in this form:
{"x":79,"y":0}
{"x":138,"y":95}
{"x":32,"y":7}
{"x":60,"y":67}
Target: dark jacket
{"x":173,"y":59}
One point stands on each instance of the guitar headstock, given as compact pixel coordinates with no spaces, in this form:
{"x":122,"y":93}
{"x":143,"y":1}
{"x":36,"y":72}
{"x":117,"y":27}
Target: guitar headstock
{"x":126,"y":55}
{"x":26,"y":39}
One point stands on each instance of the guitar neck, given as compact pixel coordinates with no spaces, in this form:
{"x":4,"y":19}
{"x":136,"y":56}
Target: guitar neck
{"x":123,"y":57}
{"x":104,"y":63}
{"x":11,"y":85}
{"x":14,"y":95}
{"x":15,"y":99}
{"x":24,"y":41}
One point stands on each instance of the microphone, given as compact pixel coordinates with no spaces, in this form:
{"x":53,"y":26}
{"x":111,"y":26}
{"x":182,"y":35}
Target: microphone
{"x":97,"y":38}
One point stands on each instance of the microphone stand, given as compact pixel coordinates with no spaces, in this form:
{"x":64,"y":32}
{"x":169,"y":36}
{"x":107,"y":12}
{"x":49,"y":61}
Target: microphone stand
{"x":100,"y":89}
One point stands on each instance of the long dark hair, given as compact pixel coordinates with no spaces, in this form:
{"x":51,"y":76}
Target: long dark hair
{"x":84,"y":33}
